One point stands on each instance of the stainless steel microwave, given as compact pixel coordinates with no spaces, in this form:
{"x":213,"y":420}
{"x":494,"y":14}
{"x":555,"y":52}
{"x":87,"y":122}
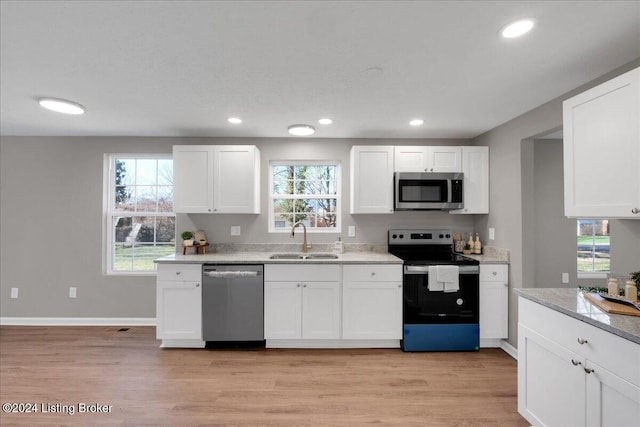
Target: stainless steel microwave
{"x":428,"y":191}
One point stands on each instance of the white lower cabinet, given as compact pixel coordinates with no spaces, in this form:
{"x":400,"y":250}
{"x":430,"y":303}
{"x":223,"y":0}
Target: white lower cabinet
{"x":494,"y":304}
{"x":179,"y":305}
{"x":372,"y":302}
{"x":574,"y":374}
{"x":297,"y":308}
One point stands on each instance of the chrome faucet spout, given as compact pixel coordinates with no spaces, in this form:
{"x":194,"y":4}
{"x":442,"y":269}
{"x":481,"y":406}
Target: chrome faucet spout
{"x":305,"y":246}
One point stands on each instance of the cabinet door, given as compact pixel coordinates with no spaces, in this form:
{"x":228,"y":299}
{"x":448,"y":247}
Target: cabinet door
{"x":372,"y":179}
{"x":427,"y":159}
{"x":178,"y":310}
{"x":372,"y":310}
{"x":475,"y":166}
{"x":602,"y":150}
{"x":320,"y":310}
{"x":410,"y":158}
{"x":611,"y":400}
{"x":445,"y":159}
{"x":236,"y":179}
{"x":282,"y":310}
{"x":551,"y":382}
{"x":193,"y":178}
{"x":494,"y":301}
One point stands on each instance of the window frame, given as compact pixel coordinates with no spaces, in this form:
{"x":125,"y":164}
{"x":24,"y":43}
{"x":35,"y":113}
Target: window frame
{"x":109,"y":212}
{"x":593,"y":274}
{"x":338,"y":196}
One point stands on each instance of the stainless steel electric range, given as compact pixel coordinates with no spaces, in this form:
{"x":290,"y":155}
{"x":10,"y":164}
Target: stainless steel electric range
{"x":440,"y":292}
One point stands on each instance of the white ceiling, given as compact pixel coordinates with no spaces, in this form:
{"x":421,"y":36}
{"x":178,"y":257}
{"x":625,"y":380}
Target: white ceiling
{"x":178,"y":68}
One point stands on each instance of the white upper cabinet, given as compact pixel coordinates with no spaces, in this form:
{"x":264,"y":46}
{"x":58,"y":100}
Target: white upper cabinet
{"x":193,"y":178}
{"x":602,"y":150}
{"x":427,"y":159}
{"x":371,"y":179}
{"x":216,"y":179}
{"x":475,"y":166}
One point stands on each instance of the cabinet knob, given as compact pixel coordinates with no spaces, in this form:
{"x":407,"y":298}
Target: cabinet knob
{"x":582,"y":341}
{"x":495,"y":273}
{"x":399,"y":286}
{"x":588,"y":370}
{"x":373,"y":273}
{"x":575,"y":363}
{"x":304,"y":286}
{"x":197,"y":285}
{"x":635,"y":211}
{"x":298,"y":285}
{"x":506,"y":285}
{"x":178,"y":273}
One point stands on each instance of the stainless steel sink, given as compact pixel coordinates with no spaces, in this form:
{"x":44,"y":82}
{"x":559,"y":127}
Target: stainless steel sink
{"x":321,"y":256}
{"x":311,"y":256}
{"x":286,"y":256}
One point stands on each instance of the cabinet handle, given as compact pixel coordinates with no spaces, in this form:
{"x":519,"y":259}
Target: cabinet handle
{"x":209,"y":210}
{"x":197,"y":285}
{"x":298,"y":285}
{"x":178,"y":273}
{"x":506,"y":285}
{"x":399,"y":286}
{"x":495,"y":273}
{"x":373,"y":273}
{"x":588,"y":370}
{"x":635,"y":211}
{"x":582,"y":341}
{"x":575,"y":363}
{"x":304,"y":286}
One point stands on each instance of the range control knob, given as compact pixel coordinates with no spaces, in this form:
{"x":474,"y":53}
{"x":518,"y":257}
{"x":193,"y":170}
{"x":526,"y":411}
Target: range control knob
{"x":441,"y":236}
{"x":394,"y":236}
{"x":448,"y":236}
{"x":402,"y":236}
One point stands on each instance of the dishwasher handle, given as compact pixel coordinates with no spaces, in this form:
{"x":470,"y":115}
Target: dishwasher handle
{"x":231,"y":274}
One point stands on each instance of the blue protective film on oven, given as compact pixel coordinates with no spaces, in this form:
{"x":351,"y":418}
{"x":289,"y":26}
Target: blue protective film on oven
{"x":441,"y":337}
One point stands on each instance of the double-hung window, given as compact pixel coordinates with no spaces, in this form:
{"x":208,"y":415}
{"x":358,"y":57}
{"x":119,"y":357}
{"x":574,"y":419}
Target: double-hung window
{"x":307,"y":192}
{"x":139,"y":220}
{"x":593,"y":248}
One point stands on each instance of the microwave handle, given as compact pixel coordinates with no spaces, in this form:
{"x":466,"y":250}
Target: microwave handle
{"x":449,"y":190}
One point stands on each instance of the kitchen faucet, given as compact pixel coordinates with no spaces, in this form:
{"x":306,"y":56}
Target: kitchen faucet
{"x":305,"y":246}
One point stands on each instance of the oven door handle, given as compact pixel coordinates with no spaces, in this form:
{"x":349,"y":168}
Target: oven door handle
{"x":424,"y":269}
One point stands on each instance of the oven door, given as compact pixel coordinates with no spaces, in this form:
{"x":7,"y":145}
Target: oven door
{"x":422,"y":306}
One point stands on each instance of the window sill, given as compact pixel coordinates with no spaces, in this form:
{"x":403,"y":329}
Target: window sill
{"x":587,"y":275}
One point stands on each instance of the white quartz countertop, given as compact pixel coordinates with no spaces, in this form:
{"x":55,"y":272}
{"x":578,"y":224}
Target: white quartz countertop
{"x":264,"y":258}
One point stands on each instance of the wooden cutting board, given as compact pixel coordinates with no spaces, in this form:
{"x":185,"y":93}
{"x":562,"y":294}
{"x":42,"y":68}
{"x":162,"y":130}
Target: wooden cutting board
{"x":611,"y":307}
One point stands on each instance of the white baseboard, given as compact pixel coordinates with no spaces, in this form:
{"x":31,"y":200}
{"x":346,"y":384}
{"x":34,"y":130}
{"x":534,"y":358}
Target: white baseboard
{"x":346,"y":343}
{"x":509,"y":349}
{"x":77,"y":321}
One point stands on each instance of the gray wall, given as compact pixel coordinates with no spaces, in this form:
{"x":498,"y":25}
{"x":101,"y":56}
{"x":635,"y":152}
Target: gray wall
{"x":51,"y":220}
{"x":510,"y":206}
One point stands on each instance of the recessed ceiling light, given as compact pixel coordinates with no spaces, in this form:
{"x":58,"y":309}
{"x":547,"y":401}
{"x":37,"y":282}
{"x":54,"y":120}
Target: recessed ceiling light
{"x":234,"y":120}
{"x":517,"y":28}
{"x":416,"y":122}
{"x":325,"y":121}
{"x":301,"y":130}
{"x":61,"y":106}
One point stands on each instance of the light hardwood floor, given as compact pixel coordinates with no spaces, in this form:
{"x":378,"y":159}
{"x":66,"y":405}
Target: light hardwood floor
{"x":146,"y":385}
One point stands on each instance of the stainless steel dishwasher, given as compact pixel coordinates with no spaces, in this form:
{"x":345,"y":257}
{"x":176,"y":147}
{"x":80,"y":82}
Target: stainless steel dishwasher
{"x":233,"y":303}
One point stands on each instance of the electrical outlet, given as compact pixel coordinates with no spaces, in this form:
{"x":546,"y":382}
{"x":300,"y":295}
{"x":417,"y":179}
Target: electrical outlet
{"x":565,"y":277}
{"x":72,"y":292}
{"x":14,"y":293}
{"x":492,"y":233}
{"x":235,"y":230}
{"x":351,"y":231}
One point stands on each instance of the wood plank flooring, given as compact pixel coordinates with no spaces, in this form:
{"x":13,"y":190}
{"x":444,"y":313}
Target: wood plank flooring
{"x":146,"y":385}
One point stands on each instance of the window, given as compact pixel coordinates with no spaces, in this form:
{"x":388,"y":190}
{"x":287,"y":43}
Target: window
{"x":139,"y":224}
{"x":593,"y":247}
{"x":307,"y":192}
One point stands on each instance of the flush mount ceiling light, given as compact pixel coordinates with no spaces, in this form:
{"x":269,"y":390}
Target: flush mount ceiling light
{"x":234,"y":120}
{"x":61,"y":106}
{"x":517,"y":28}
{"x":416,"y":122}
{"x":301,"y":130}
{"x":325,"y":121}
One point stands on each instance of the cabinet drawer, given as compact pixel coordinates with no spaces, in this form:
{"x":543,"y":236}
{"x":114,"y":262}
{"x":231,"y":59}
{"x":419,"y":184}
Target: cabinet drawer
{"x":618,"y":355}
{"x":372,"y":273}
{"x":180,"y":272}
{"x":299,"y":272}
{"x":494,"y":273}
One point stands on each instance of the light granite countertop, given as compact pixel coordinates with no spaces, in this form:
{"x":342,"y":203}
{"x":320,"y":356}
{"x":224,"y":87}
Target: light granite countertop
{"x":492,"y":255}
{"x":246,"y":257}
{"x":571,"y":301}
